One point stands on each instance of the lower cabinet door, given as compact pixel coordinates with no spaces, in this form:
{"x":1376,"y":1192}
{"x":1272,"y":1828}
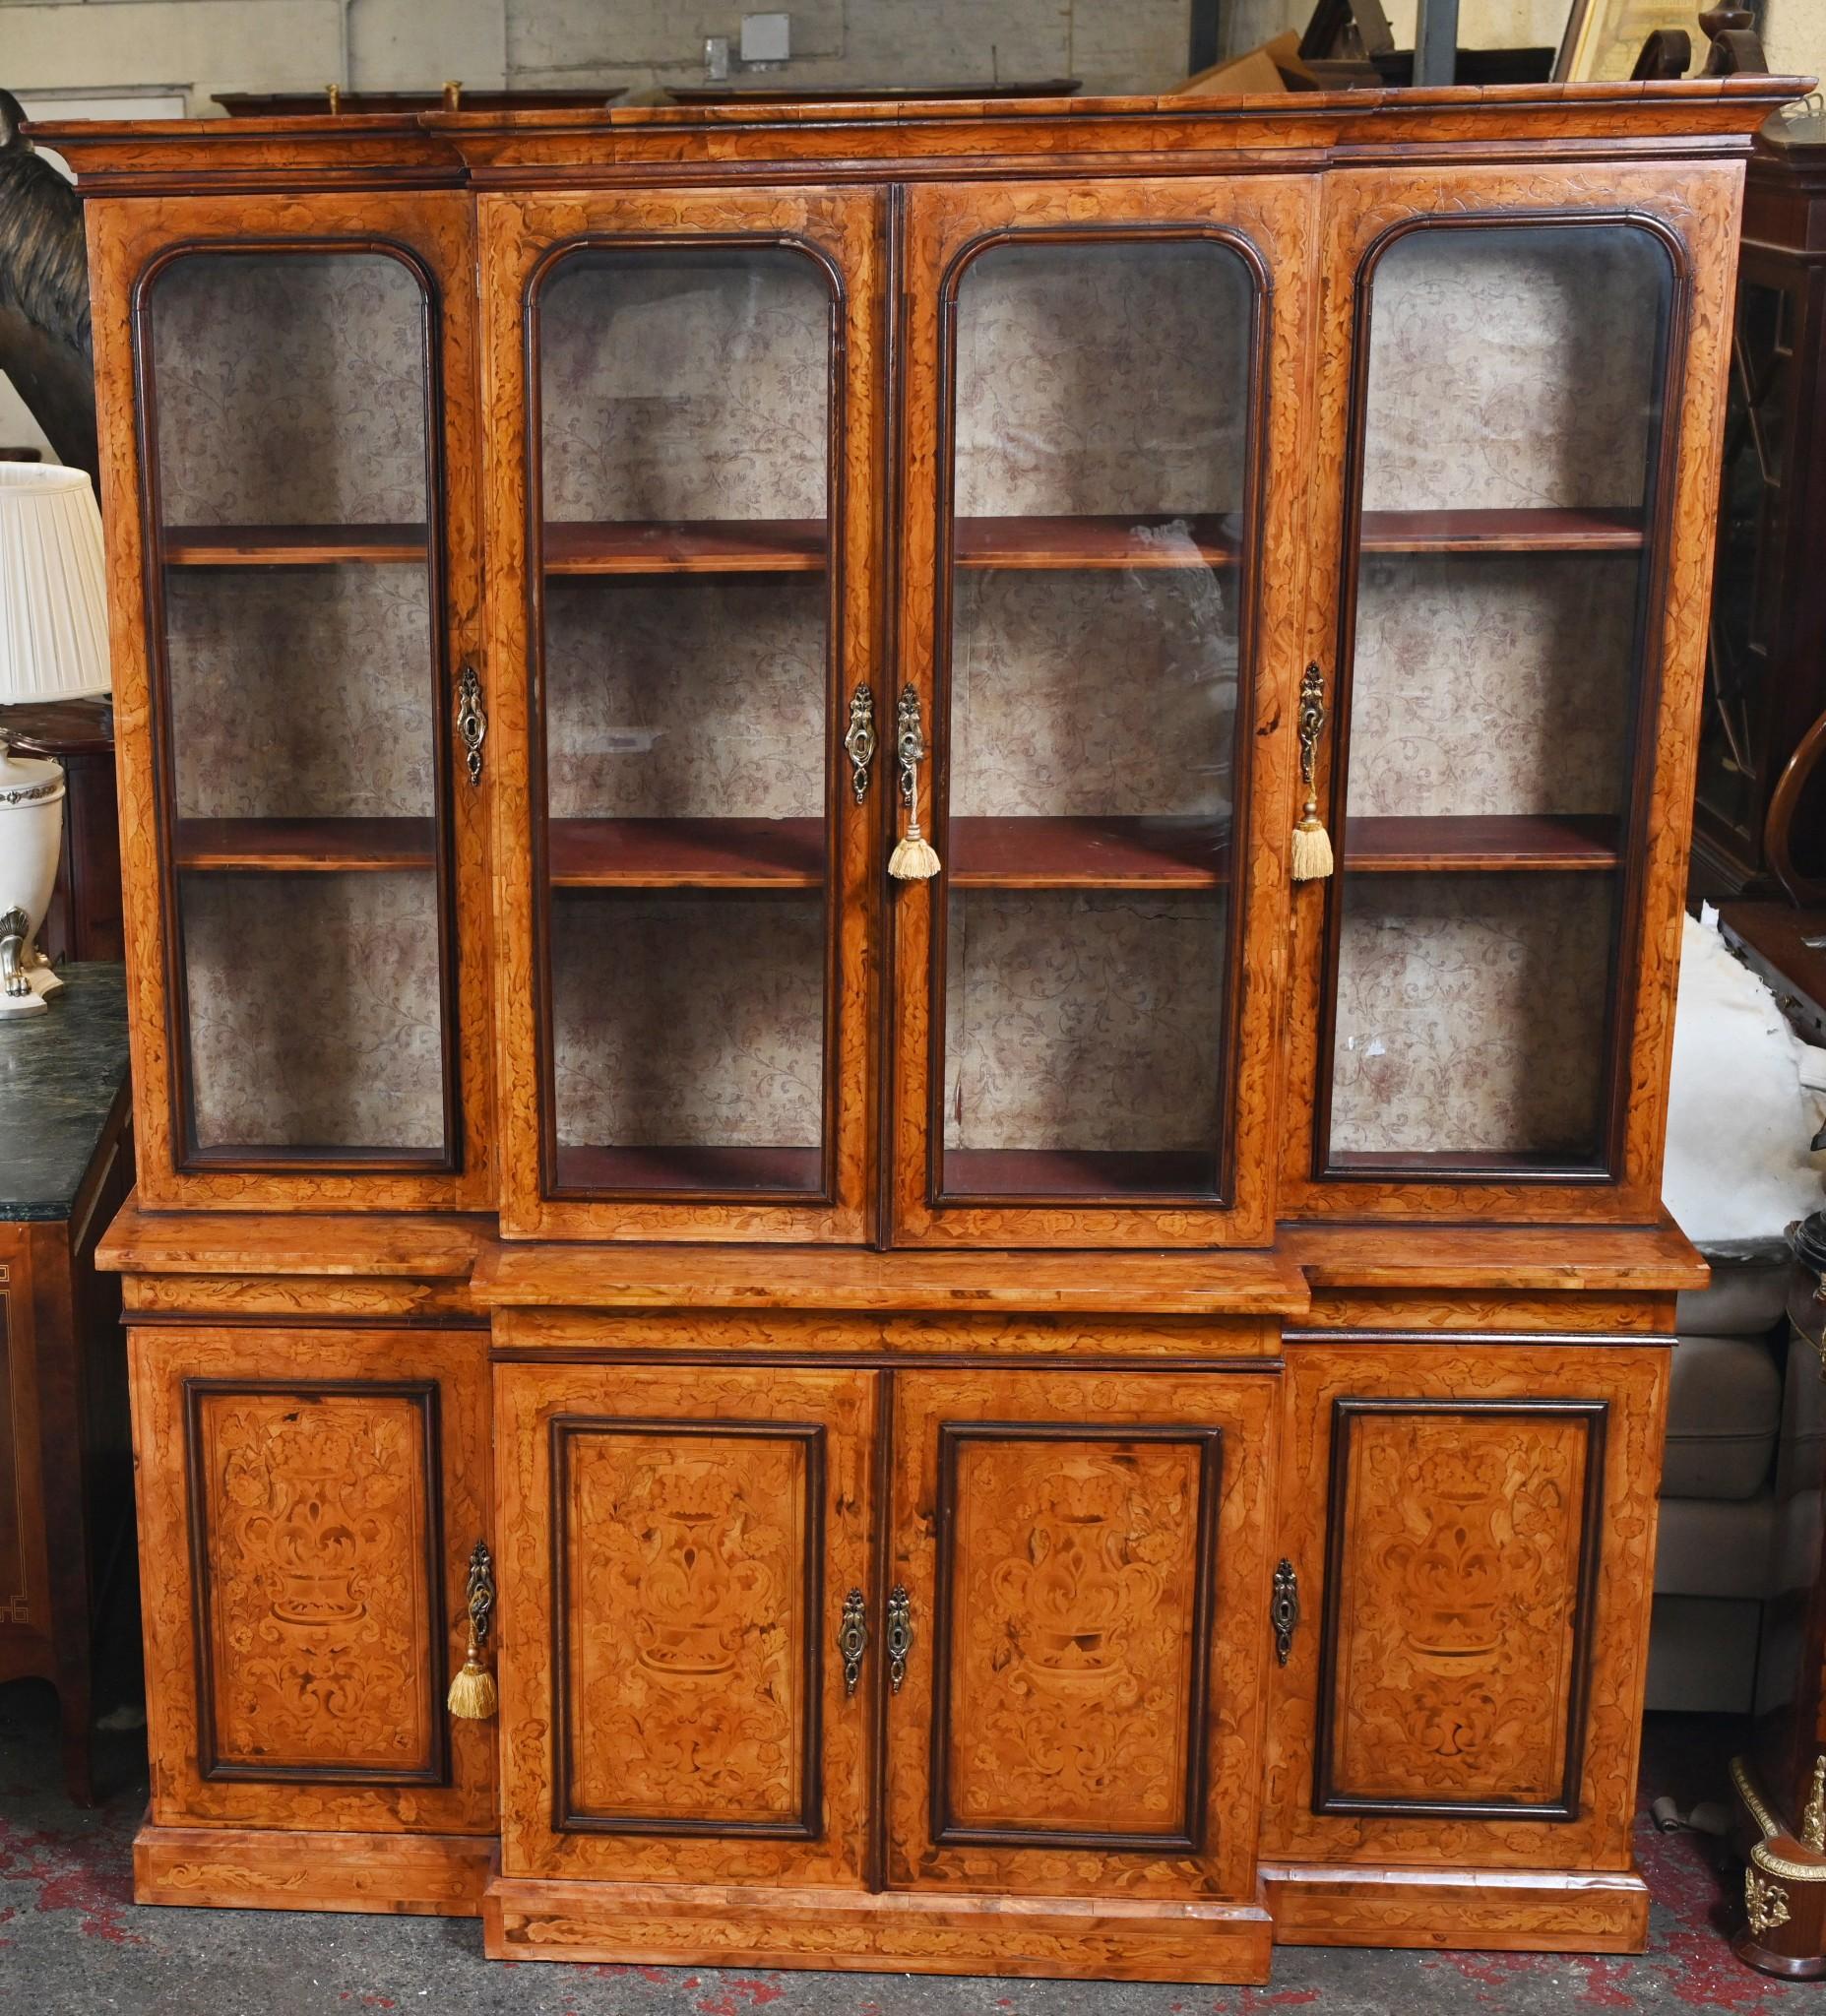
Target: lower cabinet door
{"x":308,"y":1500}
{"x":678,"y":1551}
{"x":1471,"y":1520}
{"x":1075,"y":1694}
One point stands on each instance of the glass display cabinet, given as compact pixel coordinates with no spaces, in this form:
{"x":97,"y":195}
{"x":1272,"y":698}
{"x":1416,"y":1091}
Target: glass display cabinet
{"x":805,"y":1291}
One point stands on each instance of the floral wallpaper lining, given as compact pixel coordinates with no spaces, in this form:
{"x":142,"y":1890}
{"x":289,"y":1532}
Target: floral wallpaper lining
{"x":290,"y":389}
{"x":1509,"y":367}
{"x":685,"y":384}
{"x":1108,"y":693}
{"x":1493,"y":684}
{"x":689,"y":1021}
{"x":301,"y":692}
{"x":696,"y":695}
{"x":1470,"y":1013}
{"x":1081,"y":1020}
{"x":315,"y":1015}
{"x":1102,"y":378}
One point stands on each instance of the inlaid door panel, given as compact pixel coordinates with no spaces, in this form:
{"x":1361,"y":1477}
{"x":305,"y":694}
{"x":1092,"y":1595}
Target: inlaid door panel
{"x":1082,"y":1563}
{"x":304,"y":1542}
{"x":680,"y":1548}
{"x":1466,"y":1680}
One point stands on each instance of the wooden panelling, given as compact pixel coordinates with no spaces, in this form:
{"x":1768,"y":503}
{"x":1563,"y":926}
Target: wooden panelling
{"x":1464,"y":1542}
{"x":679,"y":1542}
{"x":1083,"y":1556}
{"x":1470,"y":1661}
{"x":415,"y":1875}
{"x":1109,"y":1937}
{"x":1499,"y":1911}
{"x":307,"y":1503}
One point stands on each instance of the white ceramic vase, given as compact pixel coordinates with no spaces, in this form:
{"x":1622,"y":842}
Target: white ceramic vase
{"x":30,"y":838}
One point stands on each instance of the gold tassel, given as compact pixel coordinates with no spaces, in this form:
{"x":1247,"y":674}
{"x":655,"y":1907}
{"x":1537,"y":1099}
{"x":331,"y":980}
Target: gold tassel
{"x":1313,"y":846}
{"x":472,"y":1693}
{"x":913,"y":859}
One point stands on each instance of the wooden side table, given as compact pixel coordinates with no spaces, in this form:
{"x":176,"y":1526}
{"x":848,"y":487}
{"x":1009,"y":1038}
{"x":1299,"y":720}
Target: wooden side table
{"x":66,"y":1476}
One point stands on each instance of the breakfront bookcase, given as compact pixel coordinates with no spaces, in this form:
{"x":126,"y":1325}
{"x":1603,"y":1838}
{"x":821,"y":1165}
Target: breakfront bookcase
{"x":1083,"y":1414}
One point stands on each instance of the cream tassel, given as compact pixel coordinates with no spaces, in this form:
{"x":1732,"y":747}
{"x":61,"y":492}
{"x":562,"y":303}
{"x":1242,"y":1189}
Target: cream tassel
{"x":914,"y":859}
{"x":1312,"y":844}
{"x":471,"y":1696}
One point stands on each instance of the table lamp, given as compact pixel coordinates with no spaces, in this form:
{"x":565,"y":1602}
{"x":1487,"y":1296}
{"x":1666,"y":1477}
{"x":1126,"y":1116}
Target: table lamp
{"x":53,"y":646}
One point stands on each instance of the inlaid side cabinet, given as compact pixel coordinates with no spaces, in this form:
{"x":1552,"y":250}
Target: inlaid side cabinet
{"x":746,"y":1127}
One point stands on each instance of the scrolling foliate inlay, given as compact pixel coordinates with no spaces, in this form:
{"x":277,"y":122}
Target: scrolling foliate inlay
{"x":1459,"y":1582}
{"x":686,"y":1565}
{"x":320,"y":1620}
{"x":1074,"y":1573}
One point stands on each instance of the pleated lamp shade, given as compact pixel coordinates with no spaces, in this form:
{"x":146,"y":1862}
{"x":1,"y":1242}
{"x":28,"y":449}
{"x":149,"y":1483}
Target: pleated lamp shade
{"x":54,"y":602}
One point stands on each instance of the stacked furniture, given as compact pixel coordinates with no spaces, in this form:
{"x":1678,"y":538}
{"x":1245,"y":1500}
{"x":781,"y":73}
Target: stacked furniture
{"x":1084,"y":1412}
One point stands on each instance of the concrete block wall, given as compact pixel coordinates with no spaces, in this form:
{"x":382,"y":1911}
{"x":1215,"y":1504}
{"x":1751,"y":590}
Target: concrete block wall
{"x":211,"y":45}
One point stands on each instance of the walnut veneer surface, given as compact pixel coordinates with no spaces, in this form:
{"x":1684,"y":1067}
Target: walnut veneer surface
{"x":1083,"y":1416}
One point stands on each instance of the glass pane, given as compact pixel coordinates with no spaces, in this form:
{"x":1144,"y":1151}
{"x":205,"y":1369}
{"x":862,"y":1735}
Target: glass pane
{"x":685,"y":399}
{"x":1494,"y":676}
{"x":289,"y":397}
{"x":1097,"y":563}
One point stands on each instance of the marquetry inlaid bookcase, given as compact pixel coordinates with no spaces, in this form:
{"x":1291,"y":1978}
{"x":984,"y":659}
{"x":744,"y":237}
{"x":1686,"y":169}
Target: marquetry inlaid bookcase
{"x":1080,"y":1415}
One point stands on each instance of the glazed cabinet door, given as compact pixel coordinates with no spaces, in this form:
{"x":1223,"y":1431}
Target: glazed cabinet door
{"x":1471,"y":1523}
{"x":289,"y":476}
{"x":1078,"y":1631}
{"x":1509,"y":659}
{"x":1103,"y":407}
{"x":683,"y":395}
{"x":304,"y":1543}
{"x":687,"y":1638}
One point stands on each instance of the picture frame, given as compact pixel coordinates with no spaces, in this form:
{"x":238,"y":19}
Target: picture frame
{"x":1604,"y":37}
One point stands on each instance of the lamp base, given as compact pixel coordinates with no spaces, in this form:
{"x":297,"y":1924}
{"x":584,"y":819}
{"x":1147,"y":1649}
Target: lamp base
{"x":26,"y":975}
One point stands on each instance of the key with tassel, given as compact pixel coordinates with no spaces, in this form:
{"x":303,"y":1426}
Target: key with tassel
{"x":472,"y":1693}
{"x":914,"y":859}
{"x":1312,"y":844}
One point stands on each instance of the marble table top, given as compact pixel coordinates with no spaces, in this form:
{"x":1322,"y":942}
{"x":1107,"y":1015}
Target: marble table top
{"x":60,"y":1073}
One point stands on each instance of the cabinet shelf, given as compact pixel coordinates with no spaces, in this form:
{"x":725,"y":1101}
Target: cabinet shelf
{"x":1547,"y":529}
{"x":293,"y":545}
{"x":1049,"y":1172}
{"x":1085,"y":853}
{"x":1129,"y":541}
{"x":1495,"y":844}
{"x":282,"y":846}
{"x":636,"y":1170}
{"x":706,"y":545}
{"x":686,"y":854}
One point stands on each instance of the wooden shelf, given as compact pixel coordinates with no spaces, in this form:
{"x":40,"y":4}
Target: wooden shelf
{"x":1085,"y":853}
{"x":1079,"y":1173}
{"x":292,"y":545}
{"x":1432,"y":1164}
{"x":283,"y":847}
{"x":1092,"y":543}
{"x":705,"y":545}
{"x":686,"y":854}
{"x":1549,"y":529}
{"x":1503,"y":844}
{"x":640,"y":1169}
